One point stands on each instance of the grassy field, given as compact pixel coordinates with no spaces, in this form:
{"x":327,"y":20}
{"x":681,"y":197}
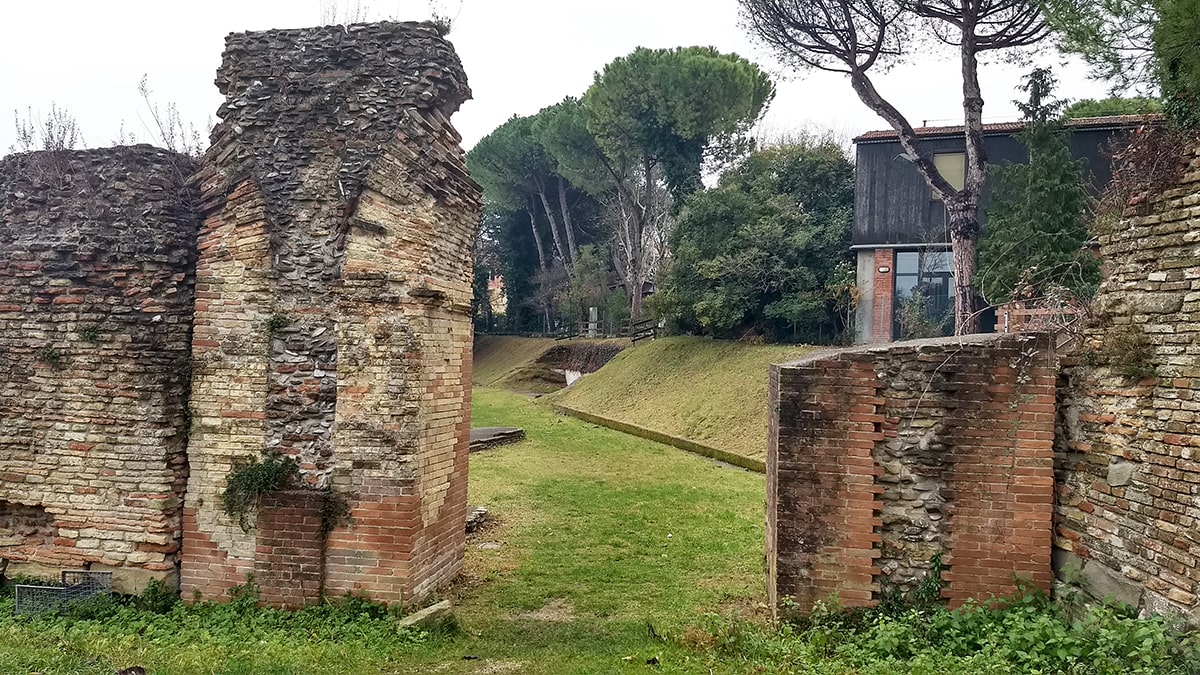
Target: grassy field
{"x":709,"y":391}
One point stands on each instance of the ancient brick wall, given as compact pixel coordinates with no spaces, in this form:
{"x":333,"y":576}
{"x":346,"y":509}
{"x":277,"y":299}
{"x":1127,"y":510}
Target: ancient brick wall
{"x":880,"y":459}
{"x":1128,"y":446}
{"x":333,"y":303}
{"x":97,"y":250}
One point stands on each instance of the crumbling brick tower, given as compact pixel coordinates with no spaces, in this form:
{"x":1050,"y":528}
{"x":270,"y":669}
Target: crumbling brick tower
{"x":97,"y":251}
{"x":333,"y":313}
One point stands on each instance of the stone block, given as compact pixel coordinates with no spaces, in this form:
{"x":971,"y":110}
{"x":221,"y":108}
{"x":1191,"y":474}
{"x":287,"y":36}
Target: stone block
{"x":1103,"y":583}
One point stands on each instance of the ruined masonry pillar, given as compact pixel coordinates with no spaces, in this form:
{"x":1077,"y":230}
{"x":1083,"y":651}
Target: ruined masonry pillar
{"x":333,"y":313}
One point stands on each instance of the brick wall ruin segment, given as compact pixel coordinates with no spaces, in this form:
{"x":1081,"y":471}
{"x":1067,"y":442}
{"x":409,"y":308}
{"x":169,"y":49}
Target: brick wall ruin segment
{"x":881,"y":458}
{"x":97,"y":250}
{"x":1128,"y":448}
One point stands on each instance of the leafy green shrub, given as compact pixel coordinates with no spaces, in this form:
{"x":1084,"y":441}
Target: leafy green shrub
{"x":157,"y":598}
{"x":917,"y":322}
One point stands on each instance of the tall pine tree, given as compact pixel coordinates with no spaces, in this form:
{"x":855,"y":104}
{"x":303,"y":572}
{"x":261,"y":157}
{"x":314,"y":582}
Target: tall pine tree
{"x":1036,"y":228}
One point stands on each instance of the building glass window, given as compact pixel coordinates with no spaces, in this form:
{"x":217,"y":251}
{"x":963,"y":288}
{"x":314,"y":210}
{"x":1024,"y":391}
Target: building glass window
{"x":924,"y":294}
{"x":953,"y":167}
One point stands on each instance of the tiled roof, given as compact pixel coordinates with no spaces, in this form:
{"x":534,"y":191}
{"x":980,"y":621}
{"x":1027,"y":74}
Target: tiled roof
{"x":1013,"y":127}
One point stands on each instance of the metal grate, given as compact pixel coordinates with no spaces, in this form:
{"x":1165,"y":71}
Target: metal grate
{"x":76,"y":586}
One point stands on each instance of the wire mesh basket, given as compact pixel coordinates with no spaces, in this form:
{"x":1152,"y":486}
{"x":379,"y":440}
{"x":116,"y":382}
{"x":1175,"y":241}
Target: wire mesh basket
{"x":76,"y":586}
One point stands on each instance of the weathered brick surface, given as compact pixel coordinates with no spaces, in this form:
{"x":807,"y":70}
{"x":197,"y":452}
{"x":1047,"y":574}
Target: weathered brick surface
{"x":289,"y":562}
{"x":332,"y":321}
{"x":881,"y":458}
{"x":1128,"y":451}
{"x":97,"y":250}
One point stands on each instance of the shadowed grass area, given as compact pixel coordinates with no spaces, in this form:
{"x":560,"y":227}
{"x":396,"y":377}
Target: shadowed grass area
{"x":713,"y":392}
{"x":623,"y":538}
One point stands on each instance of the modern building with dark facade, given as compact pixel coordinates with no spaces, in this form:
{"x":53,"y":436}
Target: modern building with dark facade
{"x":900,"y":229}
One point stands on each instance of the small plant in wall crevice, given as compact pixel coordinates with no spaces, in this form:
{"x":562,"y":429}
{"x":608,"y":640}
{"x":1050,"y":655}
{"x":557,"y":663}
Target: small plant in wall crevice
{"x":52,"y":356}
{"x":278,"y":322}
{"x":252,"y":478}
{"x":1129,"y":352}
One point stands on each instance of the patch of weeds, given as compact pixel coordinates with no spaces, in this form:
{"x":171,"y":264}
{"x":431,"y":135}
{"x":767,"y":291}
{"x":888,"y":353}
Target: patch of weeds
{"x":928,"y":594}
{"x":1023,"y":633}
{"x":335,"y":511}
{"x":90,"y":334}
{"x":251,"y":478}
{"x":52,"y":356}
{"x":157,"y":598}
{"x":1129,"y":352}
{"x":278,"y":322}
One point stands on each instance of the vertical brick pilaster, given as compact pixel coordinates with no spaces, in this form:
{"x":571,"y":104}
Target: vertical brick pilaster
{"x":883,"y":298}
{"x":289,"y":560}
{"x":824,"y":502}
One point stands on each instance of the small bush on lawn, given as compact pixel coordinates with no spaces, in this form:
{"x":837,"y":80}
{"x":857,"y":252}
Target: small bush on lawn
{"x":1023,"y":634}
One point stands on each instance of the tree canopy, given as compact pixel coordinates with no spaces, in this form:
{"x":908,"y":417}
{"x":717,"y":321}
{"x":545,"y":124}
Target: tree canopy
{"x":1147,"y":46}
{"x":609,"y":168}
{"x":1114,"y":105}
{"x":676,"y":108}
{"x":767,"y":251}
{"x":1037,"y":231}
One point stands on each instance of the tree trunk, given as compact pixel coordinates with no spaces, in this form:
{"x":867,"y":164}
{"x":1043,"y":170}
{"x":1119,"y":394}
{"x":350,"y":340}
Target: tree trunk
{"x":962,"y":206}
{"x":537,"y":239}
{"x":562,"y":254}
{"x":964,"y":235}
{"x":964,"y":211}
{"x":568,"y":225}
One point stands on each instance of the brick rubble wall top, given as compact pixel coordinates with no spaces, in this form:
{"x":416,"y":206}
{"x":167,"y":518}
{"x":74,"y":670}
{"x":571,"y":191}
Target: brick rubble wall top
{"x":85,"y":200}
{"x":306,"y":114}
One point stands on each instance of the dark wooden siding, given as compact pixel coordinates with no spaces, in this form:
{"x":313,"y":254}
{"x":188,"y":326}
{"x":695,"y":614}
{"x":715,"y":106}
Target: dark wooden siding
{"x":893,"y":205}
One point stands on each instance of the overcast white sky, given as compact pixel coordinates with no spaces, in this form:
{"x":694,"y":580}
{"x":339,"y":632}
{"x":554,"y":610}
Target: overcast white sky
{"x":520,"y":55}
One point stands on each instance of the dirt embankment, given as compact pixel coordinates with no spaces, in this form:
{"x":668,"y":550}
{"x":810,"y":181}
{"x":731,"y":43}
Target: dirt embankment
{"x":538,"y":365}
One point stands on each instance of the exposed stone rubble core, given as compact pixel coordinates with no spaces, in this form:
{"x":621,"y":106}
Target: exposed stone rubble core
{"x":97,"y":252}
{"x":880,"y":458}
{"x":1128,"y":451}
{"x":333,"y":307}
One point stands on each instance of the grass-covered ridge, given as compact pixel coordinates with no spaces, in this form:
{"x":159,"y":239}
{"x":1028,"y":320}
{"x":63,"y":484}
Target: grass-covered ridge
{"x":713,"y":392}
{"x":496,"y":356}
{"x":535,"y":365}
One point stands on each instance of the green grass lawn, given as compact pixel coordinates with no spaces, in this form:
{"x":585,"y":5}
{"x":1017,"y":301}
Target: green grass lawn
{"x":713,"y":392}
{"x":605,"y":541}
